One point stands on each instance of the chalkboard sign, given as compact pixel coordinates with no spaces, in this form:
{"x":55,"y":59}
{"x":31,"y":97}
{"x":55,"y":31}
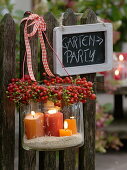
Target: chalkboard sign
{"x":83,"y":48}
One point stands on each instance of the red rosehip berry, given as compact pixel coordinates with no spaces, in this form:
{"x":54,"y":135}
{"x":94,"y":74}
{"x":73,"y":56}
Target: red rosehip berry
{"x":48,"y":84}
{"x":83,"y":101}
{"x":90,"y":84}
{"x":27,"y":77}
{"x":12,"y":80}
{"x":45,"y":81}
{"x":43,"y":74}
{"x":93,"y":96}
{"x":41,"y":94}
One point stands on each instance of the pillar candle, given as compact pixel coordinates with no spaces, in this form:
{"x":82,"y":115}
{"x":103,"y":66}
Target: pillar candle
{"x":72,"y":125}
{"x":34,"y":125}
{"x":65,"y":131}
{"x":53,"y":122}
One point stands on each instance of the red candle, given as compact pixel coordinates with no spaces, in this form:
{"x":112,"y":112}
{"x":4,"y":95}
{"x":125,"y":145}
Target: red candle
{"x":117,"y":75}
{"x":53,"y":122}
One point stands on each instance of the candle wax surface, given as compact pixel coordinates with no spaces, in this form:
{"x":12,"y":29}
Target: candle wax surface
{"x":53,"y":122}
{"x":65,"y":132}
{"x":72,"y":125}
{"x":34,"y":125}
{"x":117,"y":77}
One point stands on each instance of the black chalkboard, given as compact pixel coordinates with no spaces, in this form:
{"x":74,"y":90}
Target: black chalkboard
{"x":83,"y":49}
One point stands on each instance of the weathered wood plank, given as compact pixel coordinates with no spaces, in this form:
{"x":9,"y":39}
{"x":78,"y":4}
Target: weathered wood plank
{"x":87,"y":151}
{"x":69,"y":18}
{"x":7,"y":109}
{"x":89,"y":17}
{"x":47,"y":160}
{"x":51,"y":23}
{"x":27,"y":159}
{"x":118,"y":112}
{"x":34,"y":47}
{"x":67,"y":158}
{"x":100,"y":84}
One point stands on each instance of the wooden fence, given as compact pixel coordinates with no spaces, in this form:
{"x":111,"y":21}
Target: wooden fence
{"x":69,"y":159}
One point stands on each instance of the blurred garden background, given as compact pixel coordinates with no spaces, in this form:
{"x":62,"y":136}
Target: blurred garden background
{"x":111,"y":130}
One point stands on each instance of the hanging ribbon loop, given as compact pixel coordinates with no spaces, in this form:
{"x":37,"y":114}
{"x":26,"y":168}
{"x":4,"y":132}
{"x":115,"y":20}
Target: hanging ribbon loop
{"x":39,"y":26}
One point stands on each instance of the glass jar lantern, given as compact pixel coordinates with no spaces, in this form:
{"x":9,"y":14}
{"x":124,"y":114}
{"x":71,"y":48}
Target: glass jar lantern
{"x":48,"y":127}
{"x":117,"y":77}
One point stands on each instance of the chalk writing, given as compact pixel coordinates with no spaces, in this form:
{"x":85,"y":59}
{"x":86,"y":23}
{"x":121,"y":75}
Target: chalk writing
{"x":83,"y":49}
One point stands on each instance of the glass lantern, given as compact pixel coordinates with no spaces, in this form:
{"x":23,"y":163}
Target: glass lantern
{"x":117,"y":77}
{"x":49,"y":127}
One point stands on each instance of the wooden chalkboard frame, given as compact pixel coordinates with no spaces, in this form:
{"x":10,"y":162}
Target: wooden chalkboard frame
{"x":87,"y":28}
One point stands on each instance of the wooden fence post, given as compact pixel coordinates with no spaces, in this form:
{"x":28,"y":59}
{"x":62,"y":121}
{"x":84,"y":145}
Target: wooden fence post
{"x":87,"y":152}
{"x":27,"y":159}
{"x":7,"y":109}
{"x":67,"y":158}
{"x":47,"y":160}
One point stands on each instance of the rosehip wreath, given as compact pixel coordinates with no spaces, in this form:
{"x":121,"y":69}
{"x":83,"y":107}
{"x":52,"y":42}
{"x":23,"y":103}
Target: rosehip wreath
{"x":62,"y":91}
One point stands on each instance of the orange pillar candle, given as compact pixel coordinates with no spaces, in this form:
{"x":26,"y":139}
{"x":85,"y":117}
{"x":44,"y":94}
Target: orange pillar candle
{"x":53,"y":122}
{"x":65,"y":131}
{"x":34,"y":125}
{"x":72,"y":125}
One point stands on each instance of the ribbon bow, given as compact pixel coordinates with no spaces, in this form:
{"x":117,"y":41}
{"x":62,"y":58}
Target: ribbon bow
{"x":39,"y":26}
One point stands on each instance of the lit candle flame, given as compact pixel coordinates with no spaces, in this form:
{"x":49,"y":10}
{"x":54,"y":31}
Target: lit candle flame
{"x":117,"y":72}
{"x":65,"y":124}
{"x":121,"y":57}
{"x":72,"y":117}
{"x":33,"y":113}
{"x":52,"y":111}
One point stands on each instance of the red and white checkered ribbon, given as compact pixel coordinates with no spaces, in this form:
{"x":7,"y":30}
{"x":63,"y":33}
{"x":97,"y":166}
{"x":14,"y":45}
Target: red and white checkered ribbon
{"x":39,"y":26}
